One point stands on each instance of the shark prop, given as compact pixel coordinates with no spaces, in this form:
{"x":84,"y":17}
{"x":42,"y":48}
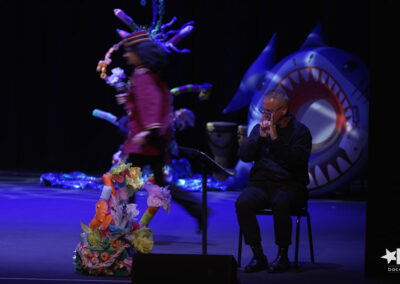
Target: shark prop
{"x":328,"y":90}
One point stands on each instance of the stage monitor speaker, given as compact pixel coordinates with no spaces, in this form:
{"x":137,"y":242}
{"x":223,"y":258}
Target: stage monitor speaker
{"x":184,"y":268}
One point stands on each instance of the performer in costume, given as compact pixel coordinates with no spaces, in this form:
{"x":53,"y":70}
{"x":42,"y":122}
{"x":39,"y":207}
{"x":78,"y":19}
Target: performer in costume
{"x":148,"y":105}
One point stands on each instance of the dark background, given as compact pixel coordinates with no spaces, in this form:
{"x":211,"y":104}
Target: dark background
{"x":50,"y":83}
{"x":383,"y":214}
{"x":50,"y":51}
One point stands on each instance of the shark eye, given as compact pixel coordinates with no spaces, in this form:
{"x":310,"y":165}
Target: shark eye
{"x":261,"y":85}
{"x":349,"y":66}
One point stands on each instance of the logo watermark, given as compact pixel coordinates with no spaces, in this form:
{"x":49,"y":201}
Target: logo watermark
{"x":392,"y":256}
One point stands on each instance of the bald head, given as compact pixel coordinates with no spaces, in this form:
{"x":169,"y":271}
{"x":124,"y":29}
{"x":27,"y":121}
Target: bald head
{"x":278,"y":97}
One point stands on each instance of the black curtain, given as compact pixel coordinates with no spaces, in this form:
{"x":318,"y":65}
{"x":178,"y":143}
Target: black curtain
{"x":51,"y":49}
{"x":383,"y":214}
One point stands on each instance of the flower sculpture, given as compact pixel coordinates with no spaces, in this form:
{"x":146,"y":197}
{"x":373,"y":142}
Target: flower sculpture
{"x":109,"y":242}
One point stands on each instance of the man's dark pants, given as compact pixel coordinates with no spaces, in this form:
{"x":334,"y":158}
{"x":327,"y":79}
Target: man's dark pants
{"x":283,"y":199}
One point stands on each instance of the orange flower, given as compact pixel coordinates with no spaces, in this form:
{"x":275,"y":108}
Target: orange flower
{"x":115,"y":243}
{"x":104,"y":256}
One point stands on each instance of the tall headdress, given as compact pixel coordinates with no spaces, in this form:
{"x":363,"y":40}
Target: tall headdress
{"x":157,"y":33}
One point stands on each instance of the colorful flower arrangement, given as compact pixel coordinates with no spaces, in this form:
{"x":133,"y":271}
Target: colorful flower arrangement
{"x":114,"y":234}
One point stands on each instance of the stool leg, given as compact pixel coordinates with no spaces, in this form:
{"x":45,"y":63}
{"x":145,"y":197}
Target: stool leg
{"x":240,"y":248}
{"x":296,"y":253}
{"x":310,"y":238}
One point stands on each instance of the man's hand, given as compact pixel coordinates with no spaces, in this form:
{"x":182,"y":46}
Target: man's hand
{"x":264,"y":126}
{"x":268,"y":127}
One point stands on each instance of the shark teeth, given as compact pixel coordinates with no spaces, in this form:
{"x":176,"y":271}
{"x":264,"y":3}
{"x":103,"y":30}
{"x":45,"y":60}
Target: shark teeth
{"x":312,"y":183}
{"x":332,"y":172}
{"x":295,"y":77}
{"x":348,"y":151}
{"x":305,"y":74}
{"x":331,"y":82}
{"x":336,"y":89}
{"x":341,"y":96}
{"x":343,"y":164}
{"x":315,"y":74}
{"x":345,"y":104}
{"x":324,"y":77}
{"x":286,"y":82}
{"x":320,"y":177}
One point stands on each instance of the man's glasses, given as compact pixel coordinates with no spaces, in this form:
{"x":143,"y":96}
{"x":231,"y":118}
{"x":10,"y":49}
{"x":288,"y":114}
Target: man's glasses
{"x":269,"y":112}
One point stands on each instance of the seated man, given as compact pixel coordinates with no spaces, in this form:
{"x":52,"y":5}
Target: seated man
{"x":280,"y":147}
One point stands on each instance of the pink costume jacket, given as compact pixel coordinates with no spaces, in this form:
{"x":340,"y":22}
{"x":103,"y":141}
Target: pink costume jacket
{"x":149,"y":107}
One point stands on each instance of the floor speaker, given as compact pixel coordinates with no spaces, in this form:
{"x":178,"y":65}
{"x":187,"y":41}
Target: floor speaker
{"x":184,"y":268}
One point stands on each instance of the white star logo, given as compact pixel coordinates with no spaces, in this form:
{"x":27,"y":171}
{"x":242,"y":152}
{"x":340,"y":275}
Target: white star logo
{"x":389,"y":256}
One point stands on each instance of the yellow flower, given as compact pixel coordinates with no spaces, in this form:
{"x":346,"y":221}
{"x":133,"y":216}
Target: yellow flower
{"x":143,"y":241}
{"x":134,"y":182}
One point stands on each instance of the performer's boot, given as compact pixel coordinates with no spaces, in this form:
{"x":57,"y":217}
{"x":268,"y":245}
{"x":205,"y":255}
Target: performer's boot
{"x":281,"y":262}
{"x":259,"y":261}
{"x":190,"y":203}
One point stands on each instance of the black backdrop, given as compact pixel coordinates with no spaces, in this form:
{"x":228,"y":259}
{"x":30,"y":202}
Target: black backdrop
{"x":50,"y":85}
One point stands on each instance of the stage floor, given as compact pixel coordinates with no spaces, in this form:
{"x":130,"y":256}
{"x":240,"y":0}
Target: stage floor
{"x":40,"y":228}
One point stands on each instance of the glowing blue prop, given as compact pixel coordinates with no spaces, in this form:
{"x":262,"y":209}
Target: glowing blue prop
{"x":178,"y":172}
{"x":328,"y":90}
{"x":74,"y":180}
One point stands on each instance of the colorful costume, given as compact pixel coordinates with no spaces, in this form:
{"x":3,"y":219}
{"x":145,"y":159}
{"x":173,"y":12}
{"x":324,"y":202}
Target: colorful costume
{"x":149,"y":108}
{"x":148,"y":100}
